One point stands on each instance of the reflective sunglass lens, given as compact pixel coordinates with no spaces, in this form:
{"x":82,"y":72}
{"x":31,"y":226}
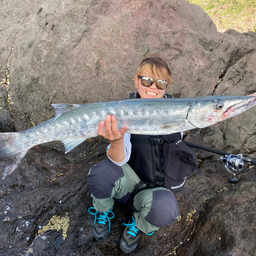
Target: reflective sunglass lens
{"x":162,"y":82}
{"x":160,"y":86}
{"x":148,"y":81}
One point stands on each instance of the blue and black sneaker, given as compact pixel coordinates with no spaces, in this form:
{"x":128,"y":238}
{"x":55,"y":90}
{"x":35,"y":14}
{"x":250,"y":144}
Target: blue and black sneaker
{"x":101,"y":226}
{"x":130,"y":237}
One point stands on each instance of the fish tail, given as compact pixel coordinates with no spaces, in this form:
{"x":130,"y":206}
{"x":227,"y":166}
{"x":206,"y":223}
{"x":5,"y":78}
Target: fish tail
{"x":10,"y":152}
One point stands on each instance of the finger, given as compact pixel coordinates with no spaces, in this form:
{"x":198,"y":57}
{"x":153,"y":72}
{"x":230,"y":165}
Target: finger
{"x":123,"y":131}
{"x":114,"y":125}
{"x":108,"y":125}
{"x":101,"y":129}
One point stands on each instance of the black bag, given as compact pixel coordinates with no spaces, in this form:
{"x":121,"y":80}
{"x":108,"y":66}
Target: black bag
{"x":179,"y":162}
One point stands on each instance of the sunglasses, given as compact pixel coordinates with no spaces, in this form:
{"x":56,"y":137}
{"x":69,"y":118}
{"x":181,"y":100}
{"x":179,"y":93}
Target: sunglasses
{"x":148,"y":81}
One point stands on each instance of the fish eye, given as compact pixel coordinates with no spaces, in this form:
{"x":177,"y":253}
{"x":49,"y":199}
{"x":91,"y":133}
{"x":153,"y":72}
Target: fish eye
{"x":219,"y":106}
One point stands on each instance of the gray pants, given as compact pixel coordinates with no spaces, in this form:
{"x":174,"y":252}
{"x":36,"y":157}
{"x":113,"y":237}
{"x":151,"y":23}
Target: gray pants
{"x":154,"y":207}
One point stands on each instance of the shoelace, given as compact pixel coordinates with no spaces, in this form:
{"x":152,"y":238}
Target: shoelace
{"x":132,"y":228}
{"x":103,"y":216}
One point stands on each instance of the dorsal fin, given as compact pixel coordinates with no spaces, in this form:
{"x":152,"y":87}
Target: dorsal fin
{"x":61,"y":108}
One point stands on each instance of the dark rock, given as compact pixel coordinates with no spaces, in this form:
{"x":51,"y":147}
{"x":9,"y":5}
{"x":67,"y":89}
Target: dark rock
{"x":88,"y":51}
{"x":217,"y":217}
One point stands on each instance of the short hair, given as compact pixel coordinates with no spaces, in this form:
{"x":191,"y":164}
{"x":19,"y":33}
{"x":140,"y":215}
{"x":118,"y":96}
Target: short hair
{"x":158,"y":67}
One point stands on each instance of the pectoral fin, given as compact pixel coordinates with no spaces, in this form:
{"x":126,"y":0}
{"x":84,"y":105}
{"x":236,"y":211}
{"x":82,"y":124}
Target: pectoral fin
{"x":71,"y":144}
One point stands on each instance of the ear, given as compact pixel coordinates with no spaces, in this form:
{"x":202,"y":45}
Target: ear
{"x":136,"y":81}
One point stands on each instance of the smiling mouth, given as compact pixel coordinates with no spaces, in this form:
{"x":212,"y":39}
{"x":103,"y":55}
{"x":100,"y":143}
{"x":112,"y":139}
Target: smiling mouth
{"x":152,"y":93}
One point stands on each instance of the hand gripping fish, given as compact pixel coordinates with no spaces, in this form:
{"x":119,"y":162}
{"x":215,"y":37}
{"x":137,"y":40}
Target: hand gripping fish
{"x":75,"y":123}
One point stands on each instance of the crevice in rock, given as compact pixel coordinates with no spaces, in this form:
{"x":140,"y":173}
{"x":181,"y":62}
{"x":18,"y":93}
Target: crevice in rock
{"x":224,"y":71}
{"x":236,"y":56}
{"x":6,"y":81}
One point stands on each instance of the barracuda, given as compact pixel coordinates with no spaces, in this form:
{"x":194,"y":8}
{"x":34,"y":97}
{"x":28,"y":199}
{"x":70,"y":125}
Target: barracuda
{"x":75,"y":123}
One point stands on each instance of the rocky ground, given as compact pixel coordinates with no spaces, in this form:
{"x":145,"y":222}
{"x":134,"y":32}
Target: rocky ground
{"x":44,"y":210}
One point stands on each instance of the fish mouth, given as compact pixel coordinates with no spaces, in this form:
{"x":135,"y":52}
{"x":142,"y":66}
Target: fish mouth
{"x":240,"y":107}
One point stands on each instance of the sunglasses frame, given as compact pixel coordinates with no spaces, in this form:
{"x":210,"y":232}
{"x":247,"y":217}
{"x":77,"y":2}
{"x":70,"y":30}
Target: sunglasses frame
{"x":158,"y":82}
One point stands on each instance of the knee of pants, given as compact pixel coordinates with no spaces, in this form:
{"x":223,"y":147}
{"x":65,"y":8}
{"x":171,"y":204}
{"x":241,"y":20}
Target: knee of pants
{"x":164,"y":209}
{"x":102,"y":178}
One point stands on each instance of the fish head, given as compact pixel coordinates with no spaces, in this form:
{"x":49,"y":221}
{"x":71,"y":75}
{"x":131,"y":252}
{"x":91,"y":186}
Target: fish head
{"x":211,"y":110}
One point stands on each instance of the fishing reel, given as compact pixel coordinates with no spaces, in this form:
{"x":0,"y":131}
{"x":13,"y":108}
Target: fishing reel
{"x":234,"y":165}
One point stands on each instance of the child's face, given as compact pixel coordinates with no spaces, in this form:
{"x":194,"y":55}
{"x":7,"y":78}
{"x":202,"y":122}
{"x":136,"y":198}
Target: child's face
{"x":148,"y":92}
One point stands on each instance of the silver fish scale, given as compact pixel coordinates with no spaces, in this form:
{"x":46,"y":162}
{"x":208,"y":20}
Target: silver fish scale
{"x":75,"y":123}
{"x":160,"y":116}
{"x":141,"y":117}
{"x":145,"y":118}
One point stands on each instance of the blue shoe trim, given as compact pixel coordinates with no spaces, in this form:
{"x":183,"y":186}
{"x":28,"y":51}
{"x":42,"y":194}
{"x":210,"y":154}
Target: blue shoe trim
{"x":103,"y":216}
{"x":150,"y":234}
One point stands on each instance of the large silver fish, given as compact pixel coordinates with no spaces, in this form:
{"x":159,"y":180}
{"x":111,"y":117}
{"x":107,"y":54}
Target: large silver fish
{"x":74,"y":124}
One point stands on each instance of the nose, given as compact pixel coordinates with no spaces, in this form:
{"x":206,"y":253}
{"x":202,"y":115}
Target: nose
{"x":153,"y":86}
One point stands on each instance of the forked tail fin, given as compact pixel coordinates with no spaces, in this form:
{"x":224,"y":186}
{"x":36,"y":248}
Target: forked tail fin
{"x":10,"y":152}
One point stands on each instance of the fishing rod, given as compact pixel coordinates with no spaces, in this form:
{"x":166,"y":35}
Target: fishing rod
{"x":233,"y":163}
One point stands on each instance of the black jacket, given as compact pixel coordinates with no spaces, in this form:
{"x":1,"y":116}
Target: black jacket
{"x":147,"y":157}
